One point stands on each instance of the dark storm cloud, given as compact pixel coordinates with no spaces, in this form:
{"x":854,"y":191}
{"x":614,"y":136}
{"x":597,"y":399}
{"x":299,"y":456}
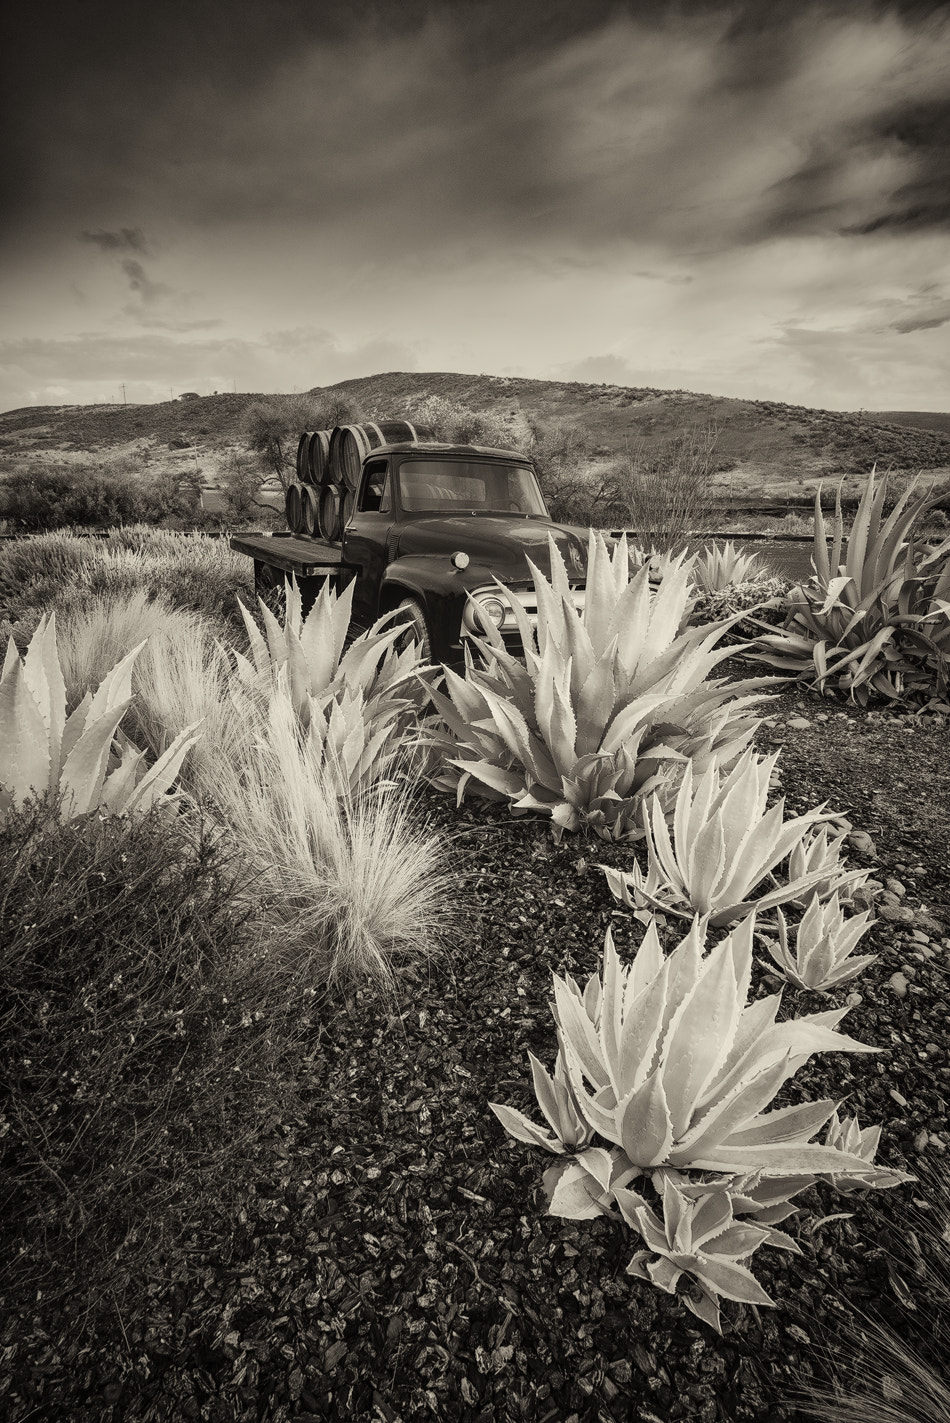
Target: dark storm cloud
{"x":920,"y":323}
{"x":695,"y":126}
{"x":127,"y":239}
{"x":141,"y":284}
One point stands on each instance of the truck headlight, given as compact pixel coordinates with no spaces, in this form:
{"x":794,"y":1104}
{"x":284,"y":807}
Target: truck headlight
{"x":493,"y":609}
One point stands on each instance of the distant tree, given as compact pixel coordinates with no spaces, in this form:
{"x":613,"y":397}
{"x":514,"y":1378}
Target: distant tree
{"x":272,"y":427}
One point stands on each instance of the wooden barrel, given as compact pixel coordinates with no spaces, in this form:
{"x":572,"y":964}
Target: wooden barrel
{"x":349,"y":445}
{"x":309,"y":509}
{"x":330,"y":520}
{"x":318,"y":457}
{"x":303,"y":448}
{"x":292,"y":508}
{"x":349,"y":499}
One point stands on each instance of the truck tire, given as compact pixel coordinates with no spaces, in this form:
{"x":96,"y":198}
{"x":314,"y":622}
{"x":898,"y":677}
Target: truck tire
{"x":413,"y":614}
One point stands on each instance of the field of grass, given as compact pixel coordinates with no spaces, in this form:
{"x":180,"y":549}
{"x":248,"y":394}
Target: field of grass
{"x":248,"y":1174}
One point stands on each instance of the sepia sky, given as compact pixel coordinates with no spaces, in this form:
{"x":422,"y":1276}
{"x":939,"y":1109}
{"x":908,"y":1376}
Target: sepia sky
{"x":747,"y":199}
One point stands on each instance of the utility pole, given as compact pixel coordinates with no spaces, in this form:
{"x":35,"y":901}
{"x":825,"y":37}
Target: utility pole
{"x":124,"y":400}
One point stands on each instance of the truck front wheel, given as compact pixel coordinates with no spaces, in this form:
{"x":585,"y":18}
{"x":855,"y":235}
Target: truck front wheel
{"x":413,"y":615}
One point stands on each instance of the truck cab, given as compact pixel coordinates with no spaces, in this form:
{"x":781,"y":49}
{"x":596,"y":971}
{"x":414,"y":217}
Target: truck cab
{"x":430,"y":524}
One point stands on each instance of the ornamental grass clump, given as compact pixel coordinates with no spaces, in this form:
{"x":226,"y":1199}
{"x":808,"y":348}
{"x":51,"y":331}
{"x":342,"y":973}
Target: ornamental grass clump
{"x":887,"y":1362}
{"x":345,"y":872}
{"x":878,"y":623}
{"x":671,"y":1066}
{"x":721,"y":846}
{"x":610,"y":700}
{"x":79,"y":757}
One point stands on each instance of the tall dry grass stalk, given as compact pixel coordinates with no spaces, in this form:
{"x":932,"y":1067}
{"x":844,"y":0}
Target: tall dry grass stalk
{"x":886,"y":1373}
{"x":354,"y":882}
{"x":670,"y":495}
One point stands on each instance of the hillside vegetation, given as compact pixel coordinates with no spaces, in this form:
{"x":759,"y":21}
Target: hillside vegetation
{"x":762,"y":448}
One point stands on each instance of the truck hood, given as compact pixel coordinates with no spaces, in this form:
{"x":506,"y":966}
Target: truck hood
{"x":497,"y":543}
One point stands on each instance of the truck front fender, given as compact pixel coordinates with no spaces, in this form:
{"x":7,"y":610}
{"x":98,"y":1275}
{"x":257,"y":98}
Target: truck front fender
{"x":440,"y":588}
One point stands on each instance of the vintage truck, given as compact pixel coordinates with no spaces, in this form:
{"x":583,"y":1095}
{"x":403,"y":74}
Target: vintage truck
{"x":426,"y":524}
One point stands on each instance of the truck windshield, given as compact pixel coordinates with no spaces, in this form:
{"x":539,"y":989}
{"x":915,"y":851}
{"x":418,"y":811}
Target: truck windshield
{"x":469,"y":486}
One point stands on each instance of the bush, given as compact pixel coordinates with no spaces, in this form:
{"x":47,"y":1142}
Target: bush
{"x":33,"y":570}
{"x":459,"y":425}
{"x":670,"y":496}
{"x":43,"y":496}
{"x":766,"y":595}
{"x":199,"y":574}
{"x":272,"y":427}
{"x":123,"y":993}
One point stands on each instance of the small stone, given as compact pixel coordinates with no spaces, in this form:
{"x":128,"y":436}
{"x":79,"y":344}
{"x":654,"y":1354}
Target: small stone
{"x":860,"y":841}
{"x":898,"y":1098}
{"x":933,"y":1048}
{"x":920,"y":936}
{"x":899,"y":984}
{"x":798,"y":723}
{"x":896,"y":913}
{"x":908,"y":970}
{"x":854,"y":1000}
{"x":921,"y":1140}
{"x":895,"y":887}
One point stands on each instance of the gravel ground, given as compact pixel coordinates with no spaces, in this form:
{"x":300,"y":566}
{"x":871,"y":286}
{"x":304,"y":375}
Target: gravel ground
{"x":385,"y":1253}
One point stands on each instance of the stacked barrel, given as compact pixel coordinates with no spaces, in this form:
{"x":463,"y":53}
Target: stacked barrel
{"x":320,"y":500}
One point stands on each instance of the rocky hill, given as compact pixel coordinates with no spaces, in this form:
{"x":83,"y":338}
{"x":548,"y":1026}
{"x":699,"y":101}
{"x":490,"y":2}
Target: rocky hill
{"x":763,"y":448}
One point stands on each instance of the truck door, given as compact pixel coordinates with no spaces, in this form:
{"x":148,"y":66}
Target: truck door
{"x":365,"y":538}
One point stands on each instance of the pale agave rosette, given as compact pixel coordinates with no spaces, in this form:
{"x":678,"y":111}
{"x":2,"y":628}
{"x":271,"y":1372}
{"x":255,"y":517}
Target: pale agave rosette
{"x":310,"y":651}
{"x":699,"y":1237}
{"x":679,"y":1066}
{"x":569,"y":1131}
{"x":609,"y":698}
{"x":847,"y":1136}
{"x":42,"y":749}
{"x":818,"y":852}
{"x":724,"y":843}
{"x":824,"y":942}
{"x":720,"y":566}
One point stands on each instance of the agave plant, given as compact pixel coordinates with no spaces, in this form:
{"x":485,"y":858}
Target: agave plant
{"x":608,"y":700}
{"x":703,"y":1239}
{"x":668,"y":1063}
{"x":724,"y":844}
{"x":817,"y":852}
{"x":877,"y":623}
{"x":846,"y":1135}
{"x":42,"y":749}
{"x":311,"y":650}
{"x":721,"y":566}
{"x":680,"y":1067}
{"x":824,"y":944}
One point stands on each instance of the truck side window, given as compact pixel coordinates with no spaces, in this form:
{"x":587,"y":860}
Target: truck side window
{"x":375,"y":496}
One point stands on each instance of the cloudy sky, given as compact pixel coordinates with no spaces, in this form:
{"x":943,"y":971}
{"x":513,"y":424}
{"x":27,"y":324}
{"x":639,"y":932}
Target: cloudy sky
{"x":748,"y":198}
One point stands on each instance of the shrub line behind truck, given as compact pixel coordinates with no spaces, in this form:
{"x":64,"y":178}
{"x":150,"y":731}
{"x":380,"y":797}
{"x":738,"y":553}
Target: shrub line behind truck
{"x":417,"y":525}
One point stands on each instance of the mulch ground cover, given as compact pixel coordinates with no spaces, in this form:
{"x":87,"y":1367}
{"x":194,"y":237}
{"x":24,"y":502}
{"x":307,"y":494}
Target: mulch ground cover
{"x":383,"y":1251}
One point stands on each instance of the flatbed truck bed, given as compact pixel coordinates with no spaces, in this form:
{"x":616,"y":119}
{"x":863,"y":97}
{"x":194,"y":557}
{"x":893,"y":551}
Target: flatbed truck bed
{"x":307,"y":557}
